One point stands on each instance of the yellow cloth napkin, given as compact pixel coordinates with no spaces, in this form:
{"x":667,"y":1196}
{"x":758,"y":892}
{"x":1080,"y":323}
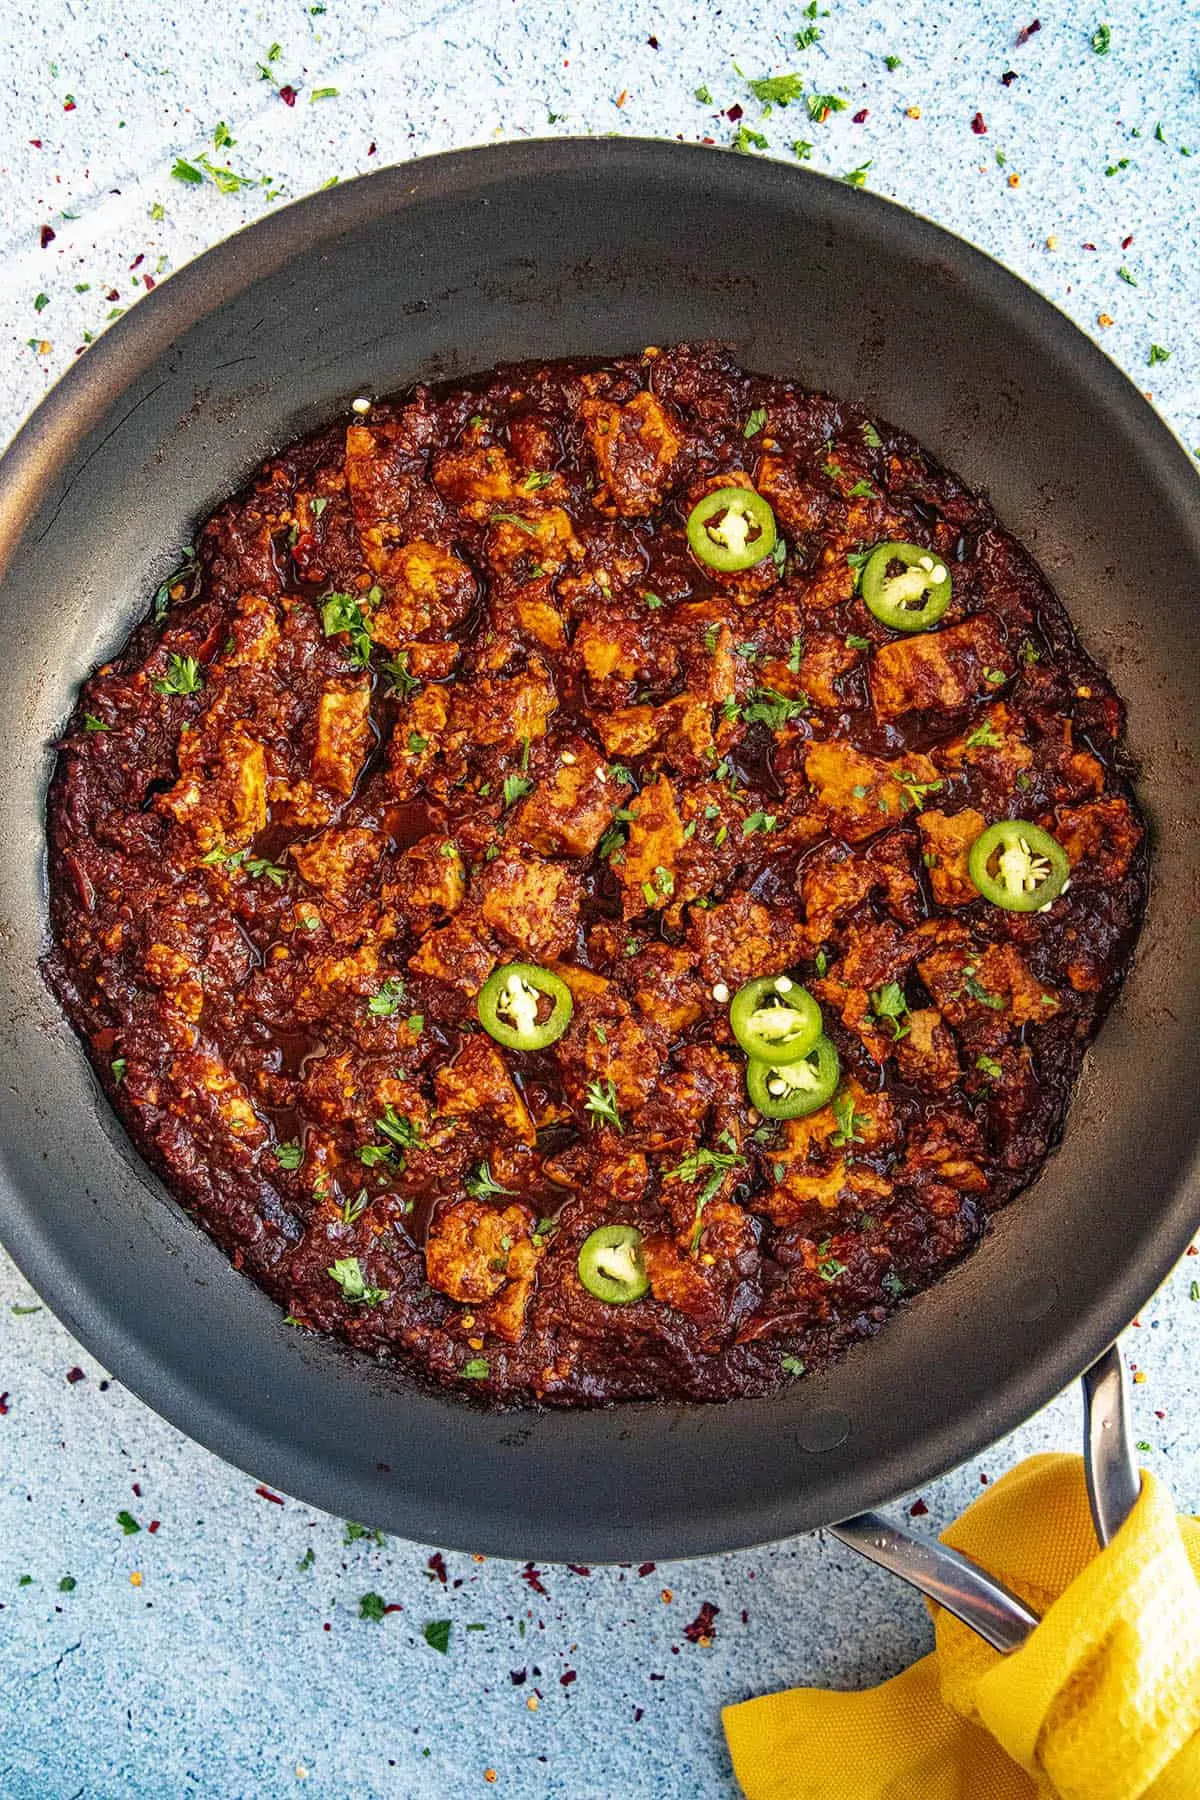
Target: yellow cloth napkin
{"x":1102,"y":1701}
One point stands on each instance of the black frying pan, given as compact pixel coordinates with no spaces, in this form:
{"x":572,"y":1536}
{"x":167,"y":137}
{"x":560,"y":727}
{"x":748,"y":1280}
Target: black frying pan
{"x":556,"y":249}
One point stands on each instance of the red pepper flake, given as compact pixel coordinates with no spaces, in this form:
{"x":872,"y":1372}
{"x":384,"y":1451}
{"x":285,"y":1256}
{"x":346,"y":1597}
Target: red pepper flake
{"x":1191,"y":1249}
{"x":74,"y":1375}
{"x":1008,"y":77}
{"x":917,"y":1510}
{"x":567,"y":1677}
{"x":138,"y":260}
{"x":533,"y":1577}
{"x":1125,"y":242}
{"x":1159,"y":1415}
{"x":3,"y":1403}
{"x":149,"y":282}
{"x":733,"y":114}
{"x":1027,"y":31}
{"x":48,"y":235}
{"x":327,"y":1626}
{"x":653,"y":42}
{"x":702,"y":1630}
{"x":978,"y":126}
{"x":264,"y":1493}
{"x":153,"y":1525}
{"x":638,"y":1715}
{"x":436,"y":1567}
{"x":69,"y":103}
{"x":287,"y":94}
{"x":371,"y":148}
{"x":517,"y":1676}
{"x":113,"y":294}
{"x":859,"y":117}
{"x":135,"y":1487}
{"x":1089,"y":246}
{"x":393,"y":1606}
{"x":579,"y":1569}
{"x":647,"y":1568}
{"x":983,"y":1479}
{"x":36,"y":142}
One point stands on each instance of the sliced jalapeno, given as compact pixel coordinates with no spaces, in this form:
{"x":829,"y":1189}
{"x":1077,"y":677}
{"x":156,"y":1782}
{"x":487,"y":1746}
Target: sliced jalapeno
{"x":524,"y":1007}
{"x":733,"y":528}
{"x":611,"y":1265}
{"x":793,"y":1090}
{"x":912,"y":598}
{"x":774,"y":1019}
{"x":1018,"y":866}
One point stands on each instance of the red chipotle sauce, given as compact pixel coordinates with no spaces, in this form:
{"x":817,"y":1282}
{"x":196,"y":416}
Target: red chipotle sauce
{"x":447,"y":688}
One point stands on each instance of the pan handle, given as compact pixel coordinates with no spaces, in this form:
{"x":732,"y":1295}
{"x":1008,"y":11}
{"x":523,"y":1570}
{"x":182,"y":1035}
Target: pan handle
{"x":1000,"y":1617}
{"x":984,"y":1604}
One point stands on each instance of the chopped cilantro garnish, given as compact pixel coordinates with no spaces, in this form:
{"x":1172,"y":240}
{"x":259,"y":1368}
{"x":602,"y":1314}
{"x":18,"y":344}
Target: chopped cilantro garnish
{"x":759,"y":821}
{"x":1125,"y":276}
{"x":755,"y":422}
{"x":476,"y":1369}
{"x":776,"y":90}
{"x":745,"y":140}
{"x":848,"y":1122}
{"x":857,"y":178}
{"x":396,"y":673}
{"x":802,"y":150}
{"x":888,"y":1003}
{"x":372,"y":1606}
{"x":347,"y":1272}
{"x":342,"y":613}
{"x":892,"y":63}
{"x":437,"y":1632}
{"x":989,"y":1067}
{"x":515,"y":788}
{"x":703,"y":95}
{"x":821,"y":105}
{"x":322,"y":93}
{"x":854,"y":642}
{"x":767,"y":706}
{"x":1102,"y":40}
{"x":791,"y":1365}
{"x":984,"y":736}
{"x":480,"y":1186}
{"x":182,"y":677}
{"x":127,"y":1522}
{"x":601,"y":1102}
{"x":914,"y":791}
{"x":1157,"y":355}
{"x":289,"y":1155}
{"x":870,"y":436}
{"x":389,"y":999}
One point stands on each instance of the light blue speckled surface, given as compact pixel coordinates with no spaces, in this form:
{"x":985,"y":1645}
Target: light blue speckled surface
{"x":228,"y":1669}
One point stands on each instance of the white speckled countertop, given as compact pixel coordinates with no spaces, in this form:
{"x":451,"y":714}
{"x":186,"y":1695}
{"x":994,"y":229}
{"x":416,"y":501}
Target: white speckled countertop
{"x":212,"y":1644}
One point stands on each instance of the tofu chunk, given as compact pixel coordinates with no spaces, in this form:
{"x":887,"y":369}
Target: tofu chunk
{"x":343,"y":733}
{"x":863,"y":795}
{"x":927,"y":1056}
{"x":478,"y":1081}
{"x":635,"y":448}
{"x":506,"y":710}
{"x":1099,"y":838}
{"x":469,"y":1245}
{"x":458,"y":954}
{"x":946,"y":841}
{"x":733,"y":941}
{"x":338,"y":862}
{"x":220,"y":798}
{"x":647,"y":867}
{"x":569,"y":809}
{"x":430,"y":881}
{"x":424,"y":589}
{"x":940,"y":671}
{"x":534,"y":904}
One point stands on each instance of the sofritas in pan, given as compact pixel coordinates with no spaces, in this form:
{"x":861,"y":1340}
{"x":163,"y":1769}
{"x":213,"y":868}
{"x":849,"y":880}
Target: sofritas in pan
{"x":566,"y":249}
